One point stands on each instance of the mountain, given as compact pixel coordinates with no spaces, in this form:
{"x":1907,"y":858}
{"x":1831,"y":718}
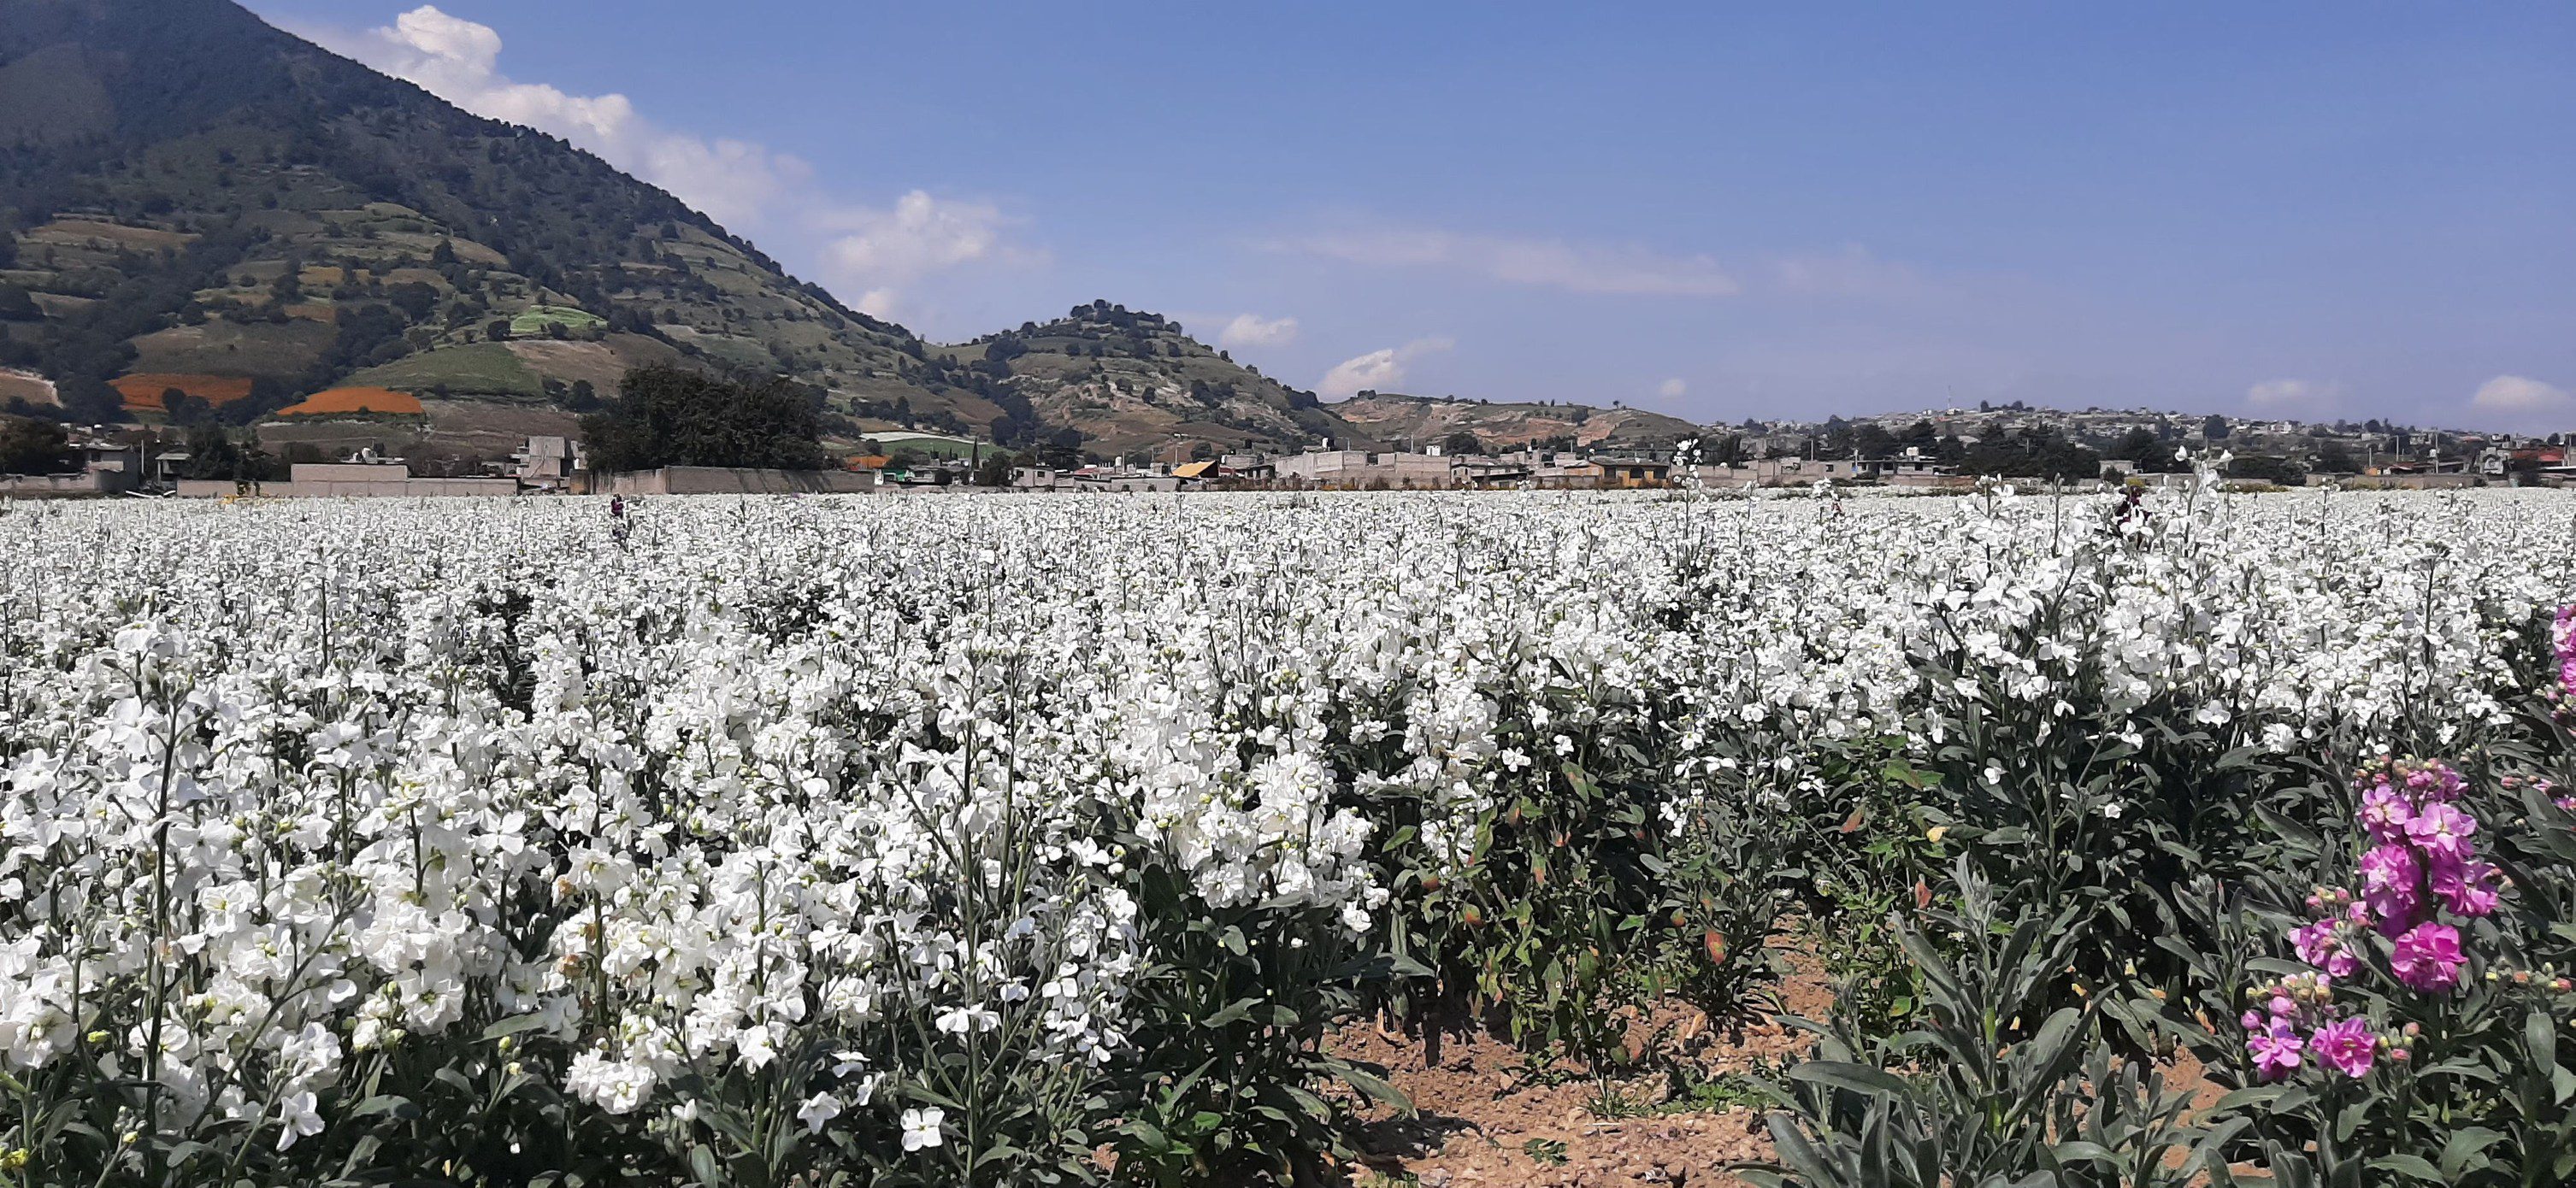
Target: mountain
{"x":1136,"y":383}
{"x":203,"y":216}
{"x":189,"y":195}
{"x":1428,"y":420}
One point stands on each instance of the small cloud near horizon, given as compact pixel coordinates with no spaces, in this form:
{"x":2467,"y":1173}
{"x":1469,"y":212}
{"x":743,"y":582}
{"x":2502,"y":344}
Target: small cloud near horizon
{"x":1672,"y":389}
{"x":2288,"y":394}
{"x":1253,"y":330}
{"x":1376,"y":371}
{"x":2526,"y":404}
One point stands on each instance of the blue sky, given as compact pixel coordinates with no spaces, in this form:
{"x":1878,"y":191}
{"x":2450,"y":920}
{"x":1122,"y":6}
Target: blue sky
{"x":2327,"y":210}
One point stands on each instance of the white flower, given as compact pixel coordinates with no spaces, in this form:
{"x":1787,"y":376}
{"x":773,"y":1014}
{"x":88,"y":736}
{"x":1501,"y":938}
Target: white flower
{"x":296,"y":1119}
{"x":921,"y":1128}
{"x":817,"y":1110}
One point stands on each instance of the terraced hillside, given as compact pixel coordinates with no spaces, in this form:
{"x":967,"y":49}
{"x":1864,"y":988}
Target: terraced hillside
{"x":187,"y":191}
{"x":1388,"y":416}
{"x":1136,"y":383}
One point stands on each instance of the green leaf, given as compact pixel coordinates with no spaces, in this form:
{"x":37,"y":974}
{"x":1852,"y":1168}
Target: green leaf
{"x":2467,"y":1143}
{"x":1241,"y":1010}
{"x":398,"y":1106}
{"x":2081,"y":1151}
{"x":1858,"y":1078}
{"x":2250,"y":1095}
{"x":513,"y":1026}
{"x":2293,"y":832}
{"x":1377,"y":1090}
{"x":2409,"y":1165}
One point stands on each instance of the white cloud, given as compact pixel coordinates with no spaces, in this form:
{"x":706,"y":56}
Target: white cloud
{"x":1376,"y":371}
{"x":1623,"y":270}
{"x":2521,"y":402}
{"x":1253,"y":330}
{"x":738,"y":183}
{"x":1851,"y":272}
{"x":2514,"y":393}
{"x":2293,"y":394}
{"x":1671,"y":389}
{"x":882,"y":250}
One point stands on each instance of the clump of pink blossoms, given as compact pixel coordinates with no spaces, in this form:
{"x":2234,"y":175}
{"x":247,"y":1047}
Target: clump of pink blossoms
{"x":2562,"y":639}
{"x":2298,"y":1021}
{"x":2423,"y":859}
{"x":2422,"y":862}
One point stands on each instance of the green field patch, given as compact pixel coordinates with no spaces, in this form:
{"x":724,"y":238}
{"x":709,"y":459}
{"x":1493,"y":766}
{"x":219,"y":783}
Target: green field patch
{"x":533,"y":323}
{"x":478,"y":369}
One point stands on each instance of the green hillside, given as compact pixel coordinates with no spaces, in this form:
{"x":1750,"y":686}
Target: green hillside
{"x":186,"y":189}
{"x":187,"y":192}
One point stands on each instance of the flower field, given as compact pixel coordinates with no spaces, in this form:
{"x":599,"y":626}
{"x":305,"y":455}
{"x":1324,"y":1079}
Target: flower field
{"x":1047,"y":840}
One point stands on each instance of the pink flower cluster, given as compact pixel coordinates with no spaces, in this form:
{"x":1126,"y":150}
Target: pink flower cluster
{"x":2422,"y":861}
{"x":2562,"y":638}
{"x":2542,"y":785}
{"x":2299,"y":1021}
{"x":2423,"y":857}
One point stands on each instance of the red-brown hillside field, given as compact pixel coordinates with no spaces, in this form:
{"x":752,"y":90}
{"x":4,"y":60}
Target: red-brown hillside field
{"x":143,"y":390}
{"x":353,"y":401}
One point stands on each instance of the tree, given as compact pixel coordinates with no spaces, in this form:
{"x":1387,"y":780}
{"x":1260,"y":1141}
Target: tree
{"x":31,"y":446}
{"x":17,"y":306}
{"x":671,"y":416}
{"x":415,"y":299}
{"x":183,"y":409}
{"x":1462,"y":444}
{"x":2213,"y":428}
{"x":2268,"y":469}
{"x":996,"y":469}
{"x":91,"y":400}
{"x":2334,"y":458}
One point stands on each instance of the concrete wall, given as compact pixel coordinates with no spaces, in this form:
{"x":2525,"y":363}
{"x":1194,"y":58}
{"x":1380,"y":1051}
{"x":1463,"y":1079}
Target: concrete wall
{"x":348,"y":472}
{"x":2405,"y":482}
{"x":382,"y":488}
{"x":725,"y":480}
{"x":49,"y":486}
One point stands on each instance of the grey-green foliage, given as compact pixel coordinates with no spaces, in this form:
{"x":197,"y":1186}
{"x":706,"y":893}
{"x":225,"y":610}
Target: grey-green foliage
{"x":1982,"y":1092}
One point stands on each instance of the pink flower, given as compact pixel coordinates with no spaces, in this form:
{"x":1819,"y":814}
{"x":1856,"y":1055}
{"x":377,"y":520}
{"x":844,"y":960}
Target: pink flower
{"x":2345,"y":1046}
{"x":2385,"y":813}
{"x":2275,"y":1050}
{"x":2443,"y":832}
{"x":2322,"y":945}
{"x":2391,"y":882}
{"x":2427,"y":958}
{"x":2467,"y":888}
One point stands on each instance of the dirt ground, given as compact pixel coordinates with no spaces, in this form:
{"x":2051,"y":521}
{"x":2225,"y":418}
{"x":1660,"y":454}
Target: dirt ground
{"x":1483,"y":1121}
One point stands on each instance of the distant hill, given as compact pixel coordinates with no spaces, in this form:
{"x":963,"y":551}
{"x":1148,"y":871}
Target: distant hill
{"x":188,"y":191}
{"x":1134,"y":383}
{"x":1388,"y":416}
